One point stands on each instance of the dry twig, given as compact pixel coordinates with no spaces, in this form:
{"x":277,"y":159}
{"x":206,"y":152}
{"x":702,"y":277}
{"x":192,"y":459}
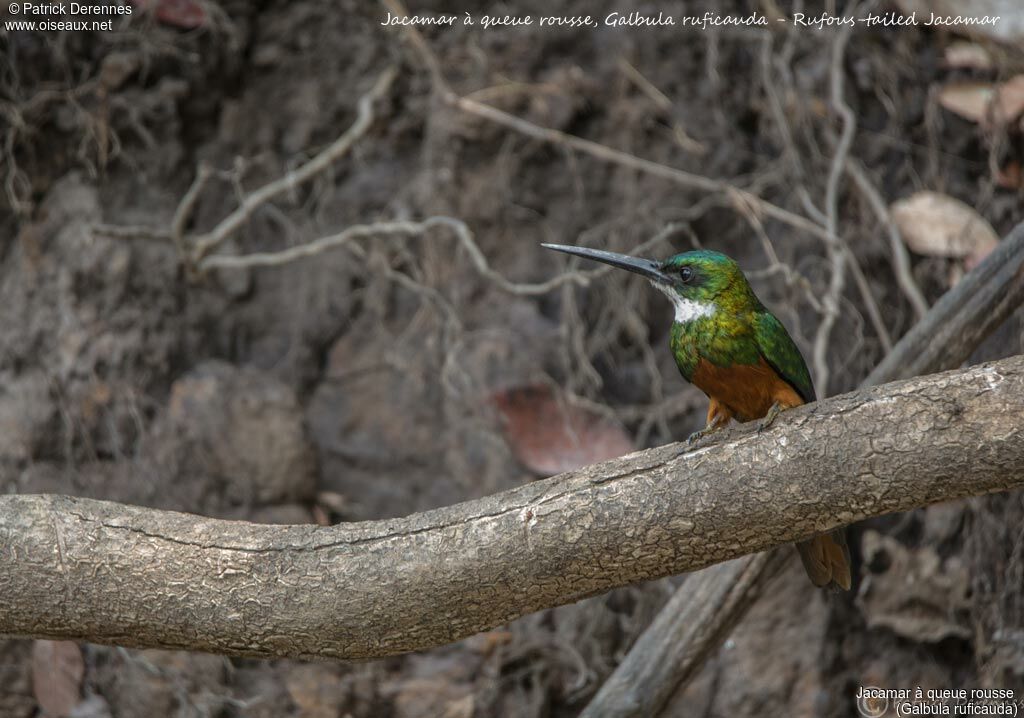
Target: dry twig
{"x":362,"y":231}
{"x":194,"y":251}
{"x":206,"y":243}
{"x":900,"y":256}
{"x":837,"y":253}
{"x":593,"y":149}
{"x":793,"y":158}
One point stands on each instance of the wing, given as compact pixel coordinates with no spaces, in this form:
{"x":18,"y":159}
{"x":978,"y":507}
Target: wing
{"x":781,"y":353}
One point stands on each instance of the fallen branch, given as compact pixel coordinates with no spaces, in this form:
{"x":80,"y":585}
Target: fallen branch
{"x":110,"y":573}
{"x":694,"y":622}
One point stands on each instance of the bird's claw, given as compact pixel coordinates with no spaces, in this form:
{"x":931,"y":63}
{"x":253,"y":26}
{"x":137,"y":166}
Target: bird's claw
{"x":694,"y":440}
{"x":770,"y":417}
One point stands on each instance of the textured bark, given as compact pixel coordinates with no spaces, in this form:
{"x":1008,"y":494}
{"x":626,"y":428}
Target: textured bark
{"x":671,"y":649}
{"x":109,"y":573}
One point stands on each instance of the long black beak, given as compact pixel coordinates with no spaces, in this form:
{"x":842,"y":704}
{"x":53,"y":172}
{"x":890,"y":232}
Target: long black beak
{"x":644,"y":267}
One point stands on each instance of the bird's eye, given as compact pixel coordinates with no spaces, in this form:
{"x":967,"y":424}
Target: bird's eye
{"x":686,"y":274}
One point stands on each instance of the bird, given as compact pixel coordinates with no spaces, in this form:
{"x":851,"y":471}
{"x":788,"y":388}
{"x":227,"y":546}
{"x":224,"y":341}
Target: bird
{"x":731,"y":347}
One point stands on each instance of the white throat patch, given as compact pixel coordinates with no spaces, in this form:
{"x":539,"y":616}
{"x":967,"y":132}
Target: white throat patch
{"x":687,"y":310}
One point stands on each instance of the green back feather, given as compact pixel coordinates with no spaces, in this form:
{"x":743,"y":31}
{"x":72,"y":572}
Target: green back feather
{"x":781,"y":353}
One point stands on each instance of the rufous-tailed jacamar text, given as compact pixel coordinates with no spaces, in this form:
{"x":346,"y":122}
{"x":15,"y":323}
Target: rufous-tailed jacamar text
{"x":732,"y":348}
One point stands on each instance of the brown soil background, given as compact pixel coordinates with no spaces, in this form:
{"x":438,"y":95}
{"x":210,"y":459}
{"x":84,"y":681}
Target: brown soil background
{"x":360,"y":384}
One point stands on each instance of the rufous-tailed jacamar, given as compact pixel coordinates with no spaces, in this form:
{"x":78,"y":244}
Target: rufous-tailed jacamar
{"x":738,"y":353}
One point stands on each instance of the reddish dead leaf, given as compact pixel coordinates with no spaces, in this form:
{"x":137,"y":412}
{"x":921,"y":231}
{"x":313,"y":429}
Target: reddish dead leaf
{"x":975,"y":258}
{"x":550,"y":436}
{"x":1009,"y":176}
{"x":333,"y":501}
{"x":432,"y":697}
{"x":186,"y":14}
{"x":57,"y":670}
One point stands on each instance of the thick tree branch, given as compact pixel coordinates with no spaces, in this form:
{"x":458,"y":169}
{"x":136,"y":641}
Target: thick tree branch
{"x":110,"y":573}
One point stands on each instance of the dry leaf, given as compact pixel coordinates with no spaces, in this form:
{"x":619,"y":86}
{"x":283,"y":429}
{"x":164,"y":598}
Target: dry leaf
{"x":433,"y":697}
{"x":550,"y":436}
{"x":987,"y":104}
{"x":1011,"y":99}
{"x":962,"y":54}
{"x":967,"y":99}
{"x":486,"y":643}
{"x":57,"y":670}
{"x":936,"y":224}
{"x":461,"y":708}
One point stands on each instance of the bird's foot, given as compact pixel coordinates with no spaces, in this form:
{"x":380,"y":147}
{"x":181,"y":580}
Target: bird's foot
{"x":694,"y":440}
{"x":770,"y":417}
{"x":696,"y":436}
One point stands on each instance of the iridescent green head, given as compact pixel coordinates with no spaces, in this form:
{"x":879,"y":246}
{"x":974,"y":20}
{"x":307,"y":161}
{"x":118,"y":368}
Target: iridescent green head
{"x":699,"y":283}
{"x":704,"y":276}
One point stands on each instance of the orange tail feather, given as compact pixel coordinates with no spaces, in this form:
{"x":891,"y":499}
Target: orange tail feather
{"x":826,"y":559}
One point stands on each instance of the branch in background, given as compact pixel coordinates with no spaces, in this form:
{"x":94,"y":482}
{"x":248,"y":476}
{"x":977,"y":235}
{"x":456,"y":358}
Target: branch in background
{"x":457,"y":227}
{"x":624,"y":159}
{"x":688,"y":628}
{"x":663,"y":658}
{"x":792,"y":155}
{"x":361,"y":231}
{"x":835,"y":248}
{"x":110,"y":573}
{"x":194,"y":250}
{"x":900,"y":255}
{"x":185,"y":208}
{"x":206,"y":243}
{"x":594,"y":149}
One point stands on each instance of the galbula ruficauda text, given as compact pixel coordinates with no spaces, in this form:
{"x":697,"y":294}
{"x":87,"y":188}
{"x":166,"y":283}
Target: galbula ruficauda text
{"x":727,"y":344}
